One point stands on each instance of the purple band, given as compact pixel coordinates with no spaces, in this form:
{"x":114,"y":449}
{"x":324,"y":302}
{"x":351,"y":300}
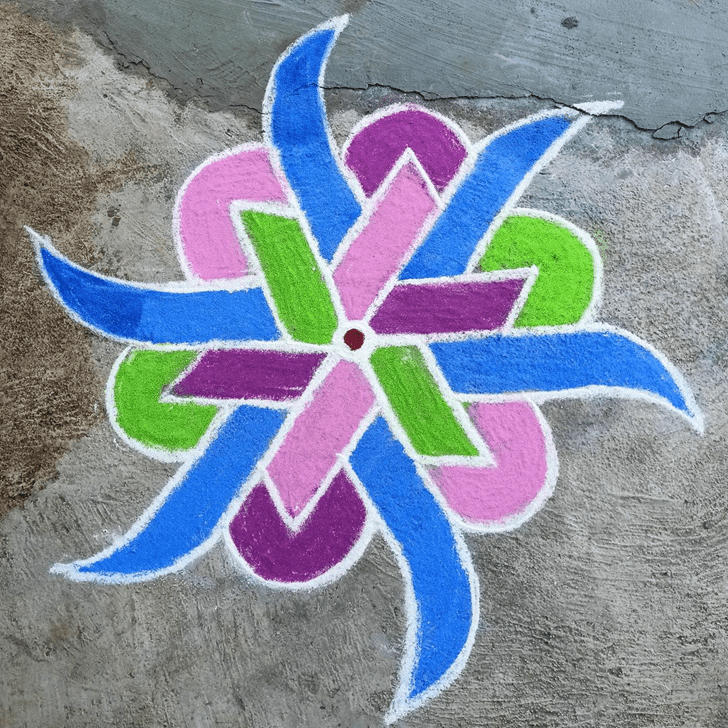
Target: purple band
{"x":249,"y":374}
{"x":276,"y":553}
{"x":439,"y":308}
{"x":375,"y":149}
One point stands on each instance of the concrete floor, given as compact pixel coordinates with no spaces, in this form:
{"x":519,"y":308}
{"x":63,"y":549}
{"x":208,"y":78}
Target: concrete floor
{"x":608,"y":608}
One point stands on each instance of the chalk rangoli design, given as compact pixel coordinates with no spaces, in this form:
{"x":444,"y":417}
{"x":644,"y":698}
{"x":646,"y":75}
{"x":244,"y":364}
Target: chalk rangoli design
{"x":361,"y":346}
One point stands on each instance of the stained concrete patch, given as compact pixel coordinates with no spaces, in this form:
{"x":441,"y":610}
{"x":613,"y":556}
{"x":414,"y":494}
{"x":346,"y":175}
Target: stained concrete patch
{"x":50,"y":390}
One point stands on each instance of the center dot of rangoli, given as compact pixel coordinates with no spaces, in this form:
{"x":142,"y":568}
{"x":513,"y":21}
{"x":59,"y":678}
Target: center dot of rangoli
{"x":354,"y":339}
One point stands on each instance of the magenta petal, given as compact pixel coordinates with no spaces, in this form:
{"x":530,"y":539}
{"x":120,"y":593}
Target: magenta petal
{"x":249,"y":374}
{"x":438,"y":308}
{"x":375,"y":149}
{"x":276,"y":553}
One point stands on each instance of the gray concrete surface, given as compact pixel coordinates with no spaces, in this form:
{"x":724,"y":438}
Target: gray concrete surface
{"x":664,"y":58}
{"x":607,"y":609}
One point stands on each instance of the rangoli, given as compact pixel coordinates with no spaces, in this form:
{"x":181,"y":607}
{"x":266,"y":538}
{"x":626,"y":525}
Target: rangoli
{"x":361,"y":347}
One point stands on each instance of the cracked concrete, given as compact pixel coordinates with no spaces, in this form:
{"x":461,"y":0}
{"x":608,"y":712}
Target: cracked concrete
{"x":665,"y":59}
{"x":607,"y":609}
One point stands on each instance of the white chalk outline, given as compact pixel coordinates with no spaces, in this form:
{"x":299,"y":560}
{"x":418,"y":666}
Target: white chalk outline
{"x":599,"y":108}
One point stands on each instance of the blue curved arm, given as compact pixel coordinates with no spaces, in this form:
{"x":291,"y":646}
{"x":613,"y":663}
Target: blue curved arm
{"x":597,"y":358}
{"x":135,"y":313}
{"x":298,"y":130}
{"x":443,"y":587}
{"x":500,"y":168}
{"x":185,"y":519}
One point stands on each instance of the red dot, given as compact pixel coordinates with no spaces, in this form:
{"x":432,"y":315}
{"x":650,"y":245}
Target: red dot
{"x":354,"y":339}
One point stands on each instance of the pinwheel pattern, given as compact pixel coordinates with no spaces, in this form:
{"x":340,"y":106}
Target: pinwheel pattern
{"x":360,"y":347}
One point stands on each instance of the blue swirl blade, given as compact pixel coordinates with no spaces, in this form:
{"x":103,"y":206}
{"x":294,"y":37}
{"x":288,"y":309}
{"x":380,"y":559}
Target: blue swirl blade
{"x":499,"y":169}
{"x":440,"y":582}
{"x":134,"y":313}
{"x":557,"y":362}
{"x":186,"y":518}
{"x":298,"y":129}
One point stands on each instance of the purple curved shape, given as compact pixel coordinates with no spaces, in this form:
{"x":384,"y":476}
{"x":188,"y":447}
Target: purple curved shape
{"x":276,"y":553}
{"x":374,"y":150}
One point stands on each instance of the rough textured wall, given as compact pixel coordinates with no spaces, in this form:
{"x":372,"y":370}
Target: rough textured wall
{"x":606,"y":608}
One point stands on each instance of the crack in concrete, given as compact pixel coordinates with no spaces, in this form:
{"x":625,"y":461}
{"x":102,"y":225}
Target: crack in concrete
{"x":478,"y":52}
{"x":126,"y":64}
{"x":218,"y":93}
